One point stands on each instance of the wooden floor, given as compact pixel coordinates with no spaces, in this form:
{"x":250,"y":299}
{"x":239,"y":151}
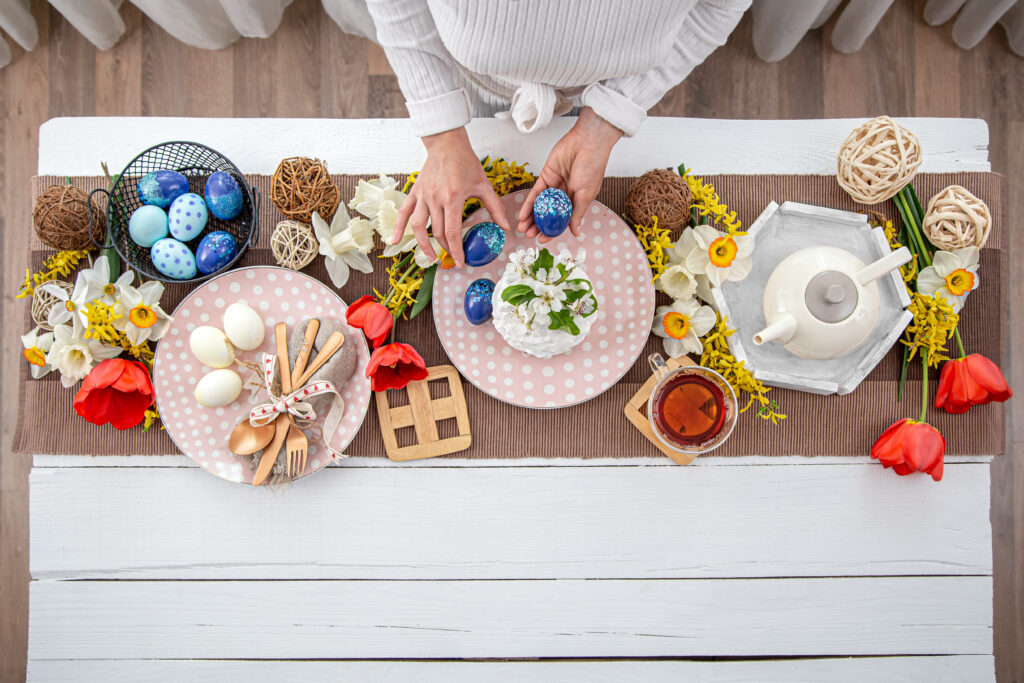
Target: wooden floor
{"x":309,"y":68}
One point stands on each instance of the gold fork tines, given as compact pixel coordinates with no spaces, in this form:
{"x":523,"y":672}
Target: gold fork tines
{"x":296,"y":446}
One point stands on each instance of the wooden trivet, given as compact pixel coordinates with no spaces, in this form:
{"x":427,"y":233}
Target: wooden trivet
{"x":636,"y":412}
{"x":423,"y":413}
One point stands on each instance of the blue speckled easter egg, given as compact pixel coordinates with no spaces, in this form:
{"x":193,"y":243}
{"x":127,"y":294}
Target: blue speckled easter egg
{"x":477,"y":304}
{"x":552,"y":211}
{"x":215,"y":251}
{"x":187,"y":217}
{"x":173,"y":259}
{"x":483,"y":243}
{"x":223,"y":196}
{"x":160,"y":188}
{"x":147,"y":225}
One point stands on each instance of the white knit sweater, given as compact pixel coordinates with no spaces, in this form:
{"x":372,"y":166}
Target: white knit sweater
{"x":533,"y":58}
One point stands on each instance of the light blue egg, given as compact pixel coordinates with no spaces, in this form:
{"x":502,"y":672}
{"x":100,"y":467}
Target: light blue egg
{"x":160,"y":188}
{"x":215,"y":251}
{"x":173,"y":259}
{"x":147,"y":225}
{"x":187,"y":217}
{"x":223,"y":195}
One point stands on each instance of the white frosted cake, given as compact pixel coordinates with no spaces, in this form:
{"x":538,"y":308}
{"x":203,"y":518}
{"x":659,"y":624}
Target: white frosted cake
{"x":544,"y":305}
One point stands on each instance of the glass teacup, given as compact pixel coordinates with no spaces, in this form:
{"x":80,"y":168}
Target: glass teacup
{"x":692,"y":409}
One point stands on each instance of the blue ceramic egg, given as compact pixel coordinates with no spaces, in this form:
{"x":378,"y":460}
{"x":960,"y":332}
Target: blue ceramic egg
{"x":477,"y":304}
{"x":147,"y":225}
{"x":173,"y":259}
{"x":552,"y":211}
{"x":187,"y":217}
{"x":483,"y":243}
{"x":223,"y":196}
{"x":160,"y":188}
{"x":215,"y":251}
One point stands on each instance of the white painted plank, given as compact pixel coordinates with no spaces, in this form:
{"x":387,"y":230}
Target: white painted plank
{"x":509,"y":619}
{"x":75,"y":146}
{"x":941,"y":669}
{"x":503,"y":523}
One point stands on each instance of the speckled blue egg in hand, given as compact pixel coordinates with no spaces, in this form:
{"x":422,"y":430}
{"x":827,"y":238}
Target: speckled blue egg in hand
{"x":477,"y":304}
{"x":552,"y":211}
{"x":223,"y":196}
{"x":173,"y":259}
{"x":483,"y":243}
{"x":147,"y":225}
{"x":160,"y":188}
{"x":187,"y":217}
{"x":215,"y":251}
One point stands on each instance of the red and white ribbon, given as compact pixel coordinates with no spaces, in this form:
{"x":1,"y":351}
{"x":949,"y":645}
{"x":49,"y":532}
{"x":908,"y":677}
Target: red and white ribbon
{"x":294,"y":403}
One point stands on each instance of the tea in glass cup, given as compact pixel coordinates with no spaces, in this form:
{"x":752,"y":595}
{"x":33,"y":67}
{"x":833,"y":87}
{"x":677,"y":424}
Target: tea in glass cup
{"x":692,"y":409}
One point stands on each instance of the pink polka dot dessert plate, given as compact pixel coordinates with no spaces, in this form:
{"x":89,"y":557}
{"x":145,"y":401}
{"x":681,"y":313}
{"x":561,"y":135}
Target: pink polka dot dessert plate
{"x":617,"y":268}
{"x":276,"y":295}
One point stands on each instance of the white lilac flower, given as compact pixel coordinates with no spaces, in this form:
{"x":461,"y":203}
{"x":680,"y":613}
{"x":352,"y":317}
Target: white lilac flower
{"x":138,"y":313}
{"x":345,"y":247}
{"x":953,"y":275}
{"x":370,"y":196}
{"x":718,"y":255}
{"x":571,"y":261}
{"x":681,"y":325}
{"x":548,"y":302}
{"x":98,"y":278}
{"x":36,"y":347}
{"x":677,"y":281}
{"x":544,"y":283}
{"x":522,"y":261}
{"x":74,"y":356}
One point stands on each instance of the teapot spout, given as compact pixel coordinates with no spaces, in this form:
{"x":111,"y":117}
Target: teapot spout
{"x":781,"y":329}
{"x":883,"y":266}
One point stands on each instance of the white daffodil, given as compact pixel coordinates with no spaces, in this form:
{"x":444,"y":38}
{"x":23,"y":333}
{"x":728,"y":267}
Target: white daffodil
{"x":384,"y":224}
{"x":139,"y":314}
{"x":371,"y":195}
{"x":677,"y":281}
{"x":74,"y":355}
{"x":952,"y":275}
{"x":98,"y":278}
{"x":420,"y":256}
{"x":682,"y":325}
{"x":344,"y":247}
{"x":70,"y":308}
{"x":719,"y":256}
{"x":36,"y":347}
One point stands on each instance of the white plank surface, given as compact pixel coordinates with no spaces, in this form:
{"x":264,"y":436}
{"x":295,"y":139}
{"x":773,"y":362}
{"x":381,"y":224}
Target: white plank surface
{"x":501,"y":523}
{"x":949,"y":669}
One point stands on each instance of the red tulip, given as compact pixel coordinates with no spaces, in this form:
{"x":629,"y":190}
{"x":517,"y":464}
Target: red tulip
{"x":394,"y":366}
{"x":970,"y":381}
{"x":911,"y":446}
{"x":117,"y":391}
{"x":374,"y":319}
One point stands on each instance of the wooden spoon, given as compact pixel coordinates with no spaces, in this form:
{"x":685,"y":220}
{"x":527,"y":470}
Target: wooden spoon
{"x":282,"y":423}
{"x":331,"y":347}
{"x":307,"y":346}
{"x":246,"y":439}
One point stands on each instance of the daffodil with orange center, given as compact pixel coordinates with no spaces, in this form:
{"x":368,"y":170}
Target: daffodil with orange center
{"x":682,"y":325}
{"x":714,"y":254}
{"x":952,"y":275}
{"x":36,"y":347}
{"x":138,"y":313}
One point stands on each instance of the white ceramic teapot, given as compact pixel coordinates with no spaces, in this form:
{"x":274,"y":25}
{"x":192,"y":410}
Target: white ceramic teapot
{"x":823,"y":302}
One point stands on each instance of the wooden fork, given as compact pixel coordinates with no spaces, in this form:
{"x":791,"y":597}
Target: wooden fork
{"x":297,"y":444}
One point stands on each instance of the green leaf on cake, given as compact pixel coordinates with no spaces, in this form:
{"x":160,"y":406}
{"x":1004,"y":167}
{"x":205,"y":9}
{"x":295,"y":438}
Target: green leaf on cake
{"x":517,"y":294}
{"x":544,"y":260}
{"x":562,"y":320}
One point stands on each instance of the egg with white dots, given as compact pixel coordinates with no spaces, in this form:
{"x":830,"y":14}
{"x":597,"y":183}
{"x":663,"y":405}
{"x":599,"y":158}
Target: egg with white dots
{"x":187,"y":217}
{"x":173,"y":259}
{"x":552,"y":211}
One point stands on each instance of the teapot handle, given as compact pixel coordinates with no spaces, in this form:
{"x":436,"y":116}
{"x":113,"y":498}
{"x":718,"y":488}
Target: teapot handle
{"x":883,"y":266}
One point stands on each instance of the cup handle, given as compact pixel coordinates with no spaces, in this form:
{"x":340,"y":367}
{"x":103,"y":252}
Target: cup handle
{"x":658,"y":364}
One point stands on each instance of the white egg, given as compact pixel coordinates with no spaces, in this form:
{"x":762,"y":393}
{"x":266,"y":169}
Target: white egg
{"x":243,"y":326}
{"x":218,"y":388}
{"x":210,"y":347}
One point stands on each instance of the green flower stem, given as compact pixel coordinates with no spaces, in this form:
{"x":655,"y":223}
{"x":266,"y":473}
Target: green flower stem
{"x":959,"y":342}
{"x":912,"y":228}
{"x":924,"y":384}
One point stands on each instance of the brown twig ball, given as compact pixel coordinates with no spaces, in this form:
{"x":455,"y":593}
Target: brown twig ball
{"x":301,"y":186}
{"x":61,"y":218}
{"x":660,"y":193}
{"x":877,"y":160}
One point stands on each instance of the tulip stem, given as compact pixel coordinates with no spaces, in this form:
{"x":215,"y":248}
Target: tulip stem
{"x":959,"y":342}
{"x":924,"y":384}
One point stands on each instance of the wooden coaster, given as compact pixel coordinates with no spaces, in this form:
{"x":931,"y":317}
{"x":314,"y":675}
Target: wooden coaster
{"x":636,"y":412}
{"x":423,"y":413}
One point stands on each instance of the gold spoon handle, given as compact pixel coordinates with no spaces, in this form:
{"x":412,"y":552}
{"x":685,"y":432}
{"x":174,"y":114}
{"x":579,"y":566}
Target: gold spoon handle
{"x":307,"y":346}
{"x":334,"y":343}
{"x":281,"y":338}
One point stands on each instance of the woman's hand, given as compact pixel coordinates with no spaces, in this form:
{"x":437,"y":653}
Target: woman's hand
{"x":576,"y":165}
{"x":451,"y":175}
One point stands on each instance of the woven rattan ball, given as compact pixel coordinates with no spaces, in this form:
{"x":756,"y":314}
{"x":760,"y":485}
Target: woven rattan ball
{"x":294,"y":244}
{"x":61,"y":218}
{"x":660,"y":193}
{"x":877,"y":160}
{"x":43,"y":301}
{"x":956,"y":219}
{"x":301,"y":186}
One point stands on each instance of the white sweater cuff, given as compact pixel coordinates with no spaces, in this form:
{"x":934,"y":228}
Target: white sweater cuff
{"x":614,"y":107}
{"x":440,"y":113}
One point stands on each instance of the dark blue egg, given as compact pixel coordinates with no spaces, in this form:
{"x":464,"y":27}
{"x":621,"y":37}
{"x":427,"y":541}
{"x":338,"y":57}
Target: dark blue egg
{"x":477,"y":303}
{"x":173,"y":259}
{"x":552,"y":211}
{"x":483,"y":243}
{"x":215,"y":251}
{"x":160,"y":188}
{"x":223,"y":195}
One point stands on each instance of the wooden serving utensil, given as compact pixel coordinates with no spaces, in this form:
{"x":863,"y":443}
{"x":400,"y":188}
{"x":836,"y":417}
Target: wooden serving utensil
{"x":246,"y":439}
{"x":334,"y":343}
{"x":282,"y":423}
{"x":297,"y":445}
{"x":307,"y":347}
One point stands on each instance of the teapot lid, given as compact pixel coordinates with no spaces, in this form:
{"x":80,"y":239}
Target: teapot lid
{"x":831,"y":296}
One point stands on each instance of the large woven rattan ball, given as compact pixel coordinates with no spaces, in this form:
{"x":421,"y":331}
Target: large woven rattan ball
{"x":43,"y":301}
{"x":61,"y":218}
{"x":660,"y":193}
{"x":877,"y":160}
{"x":301,"y":186}
{"x":294,"y":244}
{"x":956,"y":219}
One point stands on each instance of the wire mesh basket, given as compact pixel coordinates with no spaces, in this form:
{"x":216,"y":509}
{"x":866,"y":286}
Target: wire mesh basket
{"x":196,"y":162}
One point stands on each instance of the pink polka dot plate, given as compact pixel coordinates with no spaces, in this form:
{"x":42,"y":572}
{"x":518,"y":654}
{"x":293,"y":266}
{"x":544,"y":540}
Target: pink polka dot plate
{"x":618,"y":269}
{"x":277,"y":294}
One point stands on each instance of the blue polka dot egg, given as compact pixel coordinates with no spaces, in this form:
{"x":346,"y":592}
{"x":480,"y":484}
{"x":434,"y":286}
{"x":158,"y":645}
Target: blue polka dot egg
{"x":477,"y":304}
{"x":187,"y":217}
{"x":483,"y":243}
{"x":215,"y":251}
{"x":223,"y":195}
{"x":552,"y":211}
{"x":173,"y":259}
{"x":161,"y":188}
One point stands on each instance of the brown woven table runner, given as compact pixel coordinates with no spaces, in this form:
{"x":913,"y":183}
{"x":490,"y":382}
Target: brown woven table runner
{"x":817,"y":425}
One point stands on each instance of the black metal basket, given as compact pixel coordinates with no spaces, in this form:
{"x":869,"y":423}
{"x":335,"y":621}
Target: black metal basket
{"x":196,"y":162}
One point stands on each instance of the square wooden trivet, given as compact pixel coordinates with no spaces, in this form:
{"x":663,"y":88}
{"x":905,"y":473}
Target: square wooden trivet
{"x":424,"y":413}
{"x":636,"y":411}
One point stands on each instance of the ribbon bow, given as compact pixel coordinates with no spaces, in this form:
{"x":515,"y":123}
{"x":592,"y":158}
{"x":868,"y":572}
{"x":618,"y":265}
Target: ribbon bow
{"x":294,"y":403}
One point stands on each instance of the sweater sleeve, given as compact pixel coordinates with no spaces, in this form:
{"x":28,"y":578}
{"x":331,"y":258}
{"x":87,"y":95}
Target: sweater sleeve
{"x":426,"y":72}
{"x":624,"y":101}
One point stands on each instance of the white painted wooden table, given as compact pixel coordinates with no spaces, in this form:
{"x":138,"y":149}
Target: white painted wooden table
{"x":795,"y":568}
